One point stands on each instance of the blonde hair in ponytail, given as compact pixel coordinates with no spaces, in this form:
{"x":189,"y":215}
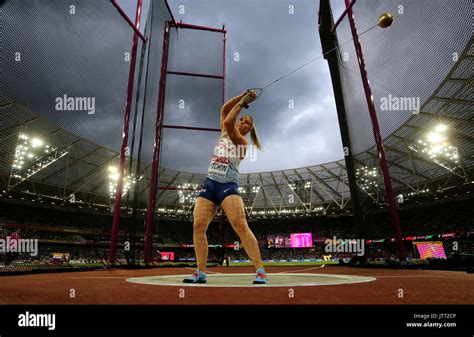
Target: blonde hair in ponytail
{"x":254,"y":138}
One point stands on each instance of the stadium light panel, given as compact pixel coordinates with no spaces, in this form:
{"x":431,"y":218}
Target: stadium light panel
{"x":441,"y":128}
{"x":437,"y":146}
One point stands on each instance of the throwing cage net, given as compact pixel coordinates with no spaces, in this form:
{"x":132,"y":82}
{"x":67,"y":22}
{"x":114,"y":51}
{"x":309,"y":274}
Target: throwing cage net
{"x":66,"y":80}
{"x":82,"y":97}
{"x":419,"y":74}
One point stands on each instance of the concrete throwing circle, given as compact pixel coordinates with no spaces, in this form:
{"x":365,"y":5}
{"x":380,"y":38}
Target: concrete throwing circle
{"x":245,"y":280}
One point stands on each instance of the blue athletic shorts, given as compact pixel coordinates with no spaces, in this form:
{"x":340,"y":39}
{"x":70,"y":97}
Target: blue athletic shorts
{"x":217,"y":192}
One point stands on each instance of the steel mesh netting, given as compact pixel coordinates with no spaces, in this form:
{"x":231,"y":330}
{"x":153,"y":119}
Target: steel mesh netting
{"x":421,"y":59}
{"x":50,"y":50}
{"x":80,"y":52}
{"x":77,"y":55}
{"x":12,"y":261}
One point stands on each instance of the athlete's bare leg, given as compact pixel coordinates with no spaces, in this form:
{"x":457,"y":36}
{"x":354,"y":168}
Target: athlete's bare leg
{"x":204,"y":211}
{"x":233,"y":207}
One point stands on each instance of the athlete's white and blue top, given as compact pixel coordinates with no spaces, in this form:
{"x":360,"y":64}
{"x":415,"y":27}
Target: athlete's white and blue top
{"x":223,"y":174}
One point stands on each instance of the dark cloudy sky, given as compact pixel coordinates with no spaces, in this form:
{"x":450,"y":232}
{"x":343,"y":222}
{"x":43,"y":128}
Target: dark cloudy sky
{"x":270,"y":42}
{"x":81,"y":54}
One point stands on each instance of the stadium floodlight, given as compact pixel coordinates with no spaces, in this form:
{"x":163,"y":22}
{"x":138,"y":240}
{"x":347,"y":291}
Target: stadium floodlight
{"x":36,"y":142}
{"x":436,"y":145}
{"x":32,"y":155}
{"x":414,"y":193}
{"x":114,"y":175}
{"x":23,"y":136}
{"x":440,"y":128}
{"x":113,"y":169}
{"x":435,"y":137}
{"x":366,"y":178}
{"x":188,"y":193}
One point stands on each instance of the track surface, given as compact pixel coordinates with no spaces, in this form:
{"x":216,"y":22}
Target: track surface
{"x":111,"y":287}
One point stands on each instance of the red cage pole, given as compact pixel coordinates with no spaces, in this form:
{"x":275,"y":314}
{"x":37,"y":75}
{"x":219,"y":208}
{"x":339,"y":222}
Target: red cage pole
{"x":377,"y":136}
{"x":150,"y":214}
{"x":348,"y":8}
{"x":130,"y":22}
{"x":159,"y":126}
{"x":222,"y":220}
{"x":126,"y":123}
{"x":224,"y":66}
